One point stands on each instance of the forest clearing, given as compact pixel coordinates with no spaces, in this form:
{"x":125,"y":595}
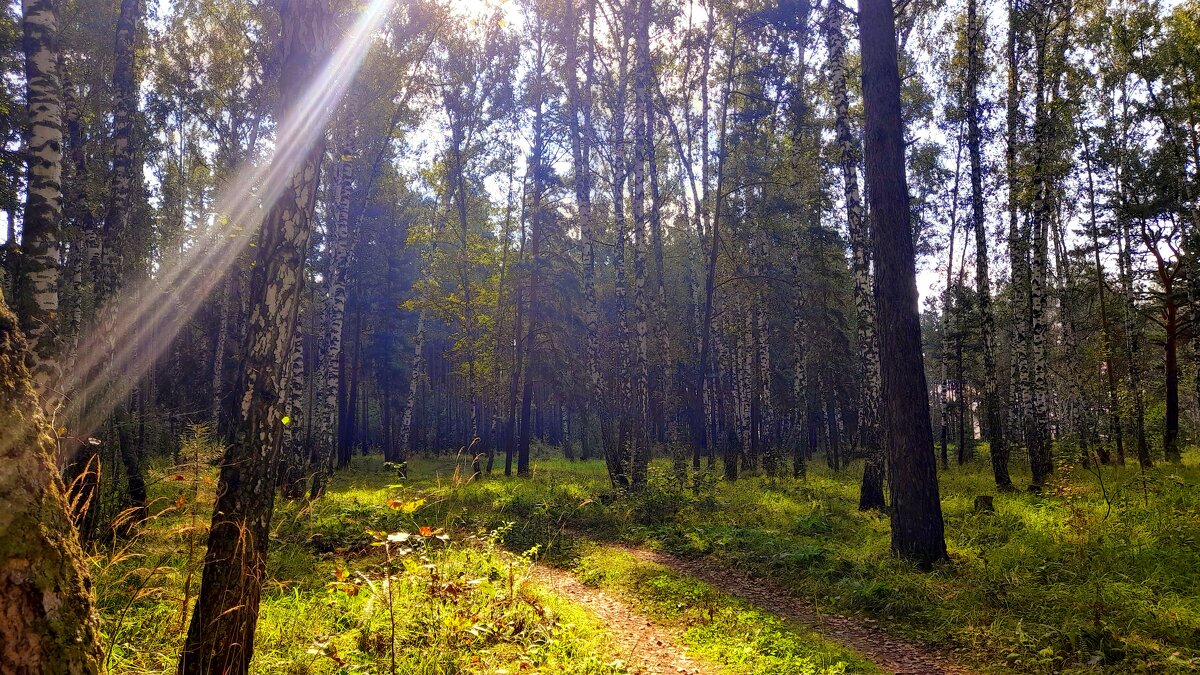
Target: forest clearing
{"x":599,"y":336}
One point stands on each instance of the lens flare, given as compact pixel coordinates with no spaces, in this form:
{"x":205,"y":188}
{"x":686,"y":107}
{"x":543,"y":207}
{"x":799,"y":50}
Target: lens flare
{"x":147,"y":318}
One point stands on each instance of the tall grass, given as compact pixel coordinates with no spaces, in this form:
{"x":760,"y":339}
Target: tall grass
{"x":1090,"y":576}
{"x":333,"y":602}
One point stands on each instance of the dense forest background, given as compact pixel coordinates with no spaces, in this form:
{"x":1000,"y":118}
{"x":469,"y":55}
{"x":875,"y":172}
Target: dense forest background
{"x":468,"y":243}
{"x":616,"y":229}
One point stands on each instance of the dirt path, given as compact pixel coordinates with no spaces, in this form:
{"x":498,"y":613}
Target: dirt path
{"x":890,"y":654}
{"x":646,"y":649}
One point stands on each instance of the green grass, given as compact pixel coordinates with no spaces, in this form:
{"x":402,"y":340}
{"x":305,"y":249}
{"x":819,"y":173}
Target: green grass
{"x":721,"y":629}
{"x":335,"y":603}
{"x":1062,"y":582}
{"x":1078,"y":579}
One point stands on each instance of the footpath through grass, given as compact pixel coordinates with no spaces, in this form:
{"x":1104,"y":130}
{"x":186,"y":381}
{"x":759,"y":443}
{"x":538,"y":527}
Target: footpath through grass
{"x":1091,"y":576}
{"x":355,"y":585}
{"x":1081,"y":579}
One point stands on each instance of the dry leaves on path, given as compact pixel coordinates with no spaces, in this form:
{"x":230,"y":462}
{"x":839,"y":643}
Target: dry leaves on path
{"x":646,"y":649}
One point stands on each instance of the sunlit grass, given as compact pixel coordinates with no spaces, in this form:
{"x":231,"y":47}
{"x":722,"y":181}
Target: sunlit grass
{"x":457,"y":606}
{"x":1082,"y":578}
{"x":717,"y":627}
{"x":1060,"y":582}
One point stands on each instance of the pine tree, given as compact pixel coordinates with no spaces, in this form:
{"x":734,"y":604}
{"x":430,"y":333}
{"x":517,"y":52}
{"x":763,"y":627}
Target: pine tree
{"x":916,"y":515}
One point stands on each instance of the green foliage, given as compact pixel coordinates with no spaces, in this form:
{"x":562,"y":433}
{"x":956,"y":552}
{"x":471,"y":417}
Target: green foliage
{"x":1067,"y":581}
{"x":1052,"y":583}
{"x":722,"y":629}
{"x":335,"y":603}
{"x":665,"y":498}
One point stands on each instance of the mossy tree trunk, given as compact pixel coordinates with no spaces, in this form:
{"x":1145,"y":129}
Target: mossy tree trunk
{"x":46,"y":624}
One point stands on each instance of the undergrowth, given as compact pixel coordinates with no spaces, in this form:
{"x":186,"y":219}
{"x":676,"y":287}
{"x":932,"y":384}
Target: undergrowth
{"x":1089,"y":576}
{"x":1086,"y":577}
{"x":358,"y":582}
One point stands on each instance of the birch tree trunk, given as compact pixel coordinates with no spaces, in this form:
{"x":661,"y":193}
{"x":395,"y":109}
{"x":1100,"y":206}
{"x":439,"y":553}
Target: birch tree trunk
{"x":641,"y":141}
{"x":871,"y":493}
{"x":662,"y":337}
{"x":619,"y":459}
{"x":220,"y":637}
{"x":799,"y":392}
{"x":992,"y":410}
{"x":580,"y":126}
{"x":707,"y":375}
{"x":37,"y":285}
{"x":329,"y":374}
{"x":1037,"y":421}
{"x":1018,"y":240}
{"x":414,"y":384}
{"x":218,"y":369}
{"x":766,"y":409}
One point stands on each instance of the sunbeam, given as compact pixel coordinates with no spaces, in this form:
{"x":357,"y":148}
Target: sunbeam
{"x":146,"y":318}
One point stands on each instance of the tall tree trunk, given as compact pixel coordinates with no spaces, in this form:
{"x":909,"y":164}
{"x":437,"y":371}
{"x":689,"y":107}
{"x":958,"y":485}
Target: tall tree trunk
{"x":538,"y":171}
{"x":580,"y":125}
{"x":117,"y":233}
{"x":465,"y":267}
{"x":1129,"y":307}
{"x":48,"y":624}
{"x":706,"y":375}
{"x":641,"y":144}
{"x":414,"y":384}
{"x":918,"y":532}
{"x":947,"y":404}
{"x":218,"y":369}
{"x":329,"y":373}
{"x":763,"y":390}
{"x":1018,"y":249}
{"x":78,"y":211}
{"x":871,"y":492}
{"x":37,"y":285}
{"x":1037,"y":432}
{"x":221,"y":634}
{"x":662,"y":338}
{"x":799,"y":390}
{"x":1114,"y":402}
{"x":1171,"y":377}
{"x":619,"y":460}
{"x":993,"y":413}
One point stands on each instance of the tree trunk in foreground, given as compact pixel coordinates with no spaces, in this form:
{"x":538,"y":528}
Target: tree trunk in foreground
{"x":37,"y":288}
{"x":221,"y":635}
{"x":46,"y":623}
{"x":918,"y":532}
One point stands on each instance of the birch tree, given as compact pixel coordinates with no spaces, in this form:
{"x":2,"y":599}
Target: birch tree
{"x":220,"y":636}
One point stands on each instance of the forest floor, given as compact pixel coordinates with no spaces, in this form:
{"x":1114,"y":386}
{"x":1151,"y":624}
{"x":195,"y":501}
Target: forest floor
{"x":437,"y":573}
